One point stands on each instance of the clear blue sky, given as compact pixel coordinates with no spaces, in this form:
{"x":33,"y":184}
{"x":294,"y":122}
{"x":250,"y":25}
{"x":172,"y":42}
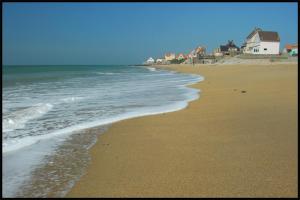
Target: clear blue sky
{"x":128,"y":33}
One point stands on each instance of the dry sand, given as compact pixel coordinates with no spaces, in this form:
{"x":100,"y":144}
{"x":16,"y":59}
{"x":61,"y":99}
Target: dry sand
{"x":225,"y":144}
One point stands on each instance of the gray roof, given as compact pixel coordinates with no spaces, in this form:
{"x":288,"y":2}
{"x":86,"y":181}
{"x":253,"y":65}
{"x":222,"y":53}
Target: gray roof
{"x":230,"y":44}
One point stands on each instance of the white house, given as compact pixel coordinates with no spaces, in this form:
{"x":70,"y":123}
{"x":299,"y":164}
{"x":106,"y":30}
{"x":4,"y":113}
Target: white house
{"x":217,"y":52}
{"x":158,"y":60}
{"x":262,"y":42}
{"x":170,"y":56}
{"x":150,"y":61}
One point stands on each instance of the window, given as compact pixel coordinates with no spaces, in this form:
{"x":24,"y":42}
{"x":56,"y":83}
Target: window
{"x":265,"y":49}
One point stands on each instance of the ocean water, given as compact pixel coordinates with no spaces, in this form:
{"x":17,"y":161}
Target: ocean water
{"x":52,"y":115}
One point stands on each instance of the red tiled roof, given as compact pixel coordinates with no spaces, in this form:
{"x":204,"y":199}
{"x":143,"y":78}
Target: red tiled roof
{"x":291,"y":46}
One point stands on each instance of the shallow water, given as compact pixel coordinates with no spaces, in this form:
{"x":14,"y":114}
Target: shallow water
{"x":47,"y":111}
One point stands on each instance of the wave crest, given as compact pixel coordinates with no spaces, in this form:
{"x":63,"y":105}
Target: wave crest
{"x":18,"y":119}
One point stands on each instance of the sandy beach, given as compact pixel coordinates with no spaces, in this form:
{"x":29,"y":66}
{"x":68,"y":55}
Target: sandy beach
{"x":239,"y":139}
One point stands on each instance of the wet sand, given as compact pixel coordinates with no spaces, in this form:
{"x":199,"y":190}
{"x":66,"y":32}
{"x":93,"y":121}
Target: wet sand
{"x":239,"y":139}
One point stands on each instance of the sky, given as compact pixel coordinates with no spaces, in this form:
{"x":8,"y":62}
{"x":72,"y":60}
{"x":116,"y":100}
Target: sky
{"x":129,"y":33}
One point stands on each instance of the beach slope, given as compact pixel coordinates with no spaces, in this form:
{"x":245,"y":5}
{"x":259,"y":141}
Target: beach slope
{"x":239,"y":139}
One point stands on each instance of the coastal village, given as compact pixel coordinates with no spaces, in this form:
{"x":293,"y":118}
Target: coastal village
{"x":259,"y":44}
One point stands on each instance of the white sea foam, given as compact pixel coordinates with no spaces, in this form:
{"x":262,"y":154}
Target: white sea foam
{"x":18,"y":119}
{"x":152,"y":69}
{"x":107,"y":73}
{"x":16,"y":144}
{"x":71,"y":99}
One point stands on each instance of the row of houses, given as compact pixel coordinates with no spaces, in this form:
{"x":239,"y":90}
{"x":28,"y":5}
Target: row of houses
{"x":170,"y":58}
{"x":258,"y":42}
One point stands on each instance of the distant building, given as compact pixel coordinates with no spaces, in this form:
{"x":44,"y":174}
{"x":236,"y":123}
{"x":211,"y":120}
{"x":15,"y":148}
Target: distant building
{"x":243,"y":48}
{"x":150,"y":61}
{"x":217,"y":52}
{"x":159,"y":60}
{"x":229,"y":49}
{"x":202,"y":57}
{"x":262,"y":42}
{"x":192,"y":54}
{"x":162,"y":61}
{"x":200,"y":51}
{"x":170,"y":56}
{"x":291,"y":49}
{"x":181,"y":56}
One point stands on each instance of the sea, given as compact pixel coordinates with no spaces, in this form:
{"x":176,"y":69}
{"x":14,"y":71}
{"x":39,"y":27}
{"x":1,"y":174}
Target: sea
{"x":52,"y":116}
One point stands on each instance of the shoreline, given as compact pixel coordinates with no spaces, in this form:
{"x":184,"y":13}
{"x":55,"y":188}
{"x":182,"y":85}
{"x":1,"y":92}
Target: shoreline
{"x":35,"y":185}
{"x":154,"y":156}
